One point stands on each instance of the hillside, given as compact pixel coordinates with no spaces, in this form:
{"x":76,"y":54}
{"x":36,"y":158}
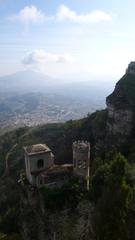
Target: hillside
{"x":25,"y":81}
{"x":59,"y":137}
{"x":110,"y":201}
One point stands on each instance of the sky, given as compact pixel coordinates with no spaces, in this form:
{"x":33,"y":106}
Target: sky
{"x":67,"y":38}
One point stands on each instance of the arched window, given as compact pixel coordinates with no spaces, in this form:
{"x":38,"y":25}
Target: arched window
{"x":40,"y":163}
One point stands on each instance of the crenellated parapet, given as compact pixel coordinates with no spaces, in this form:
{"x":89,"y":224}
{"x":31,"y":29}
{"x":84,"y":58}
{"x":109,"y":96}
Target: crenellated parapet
{"x":81,"y":146}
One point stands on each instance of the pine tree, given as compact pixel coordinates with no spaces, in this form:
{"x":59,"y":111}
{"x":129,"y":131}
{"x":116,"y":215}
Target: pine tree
{"x":114,"y":202}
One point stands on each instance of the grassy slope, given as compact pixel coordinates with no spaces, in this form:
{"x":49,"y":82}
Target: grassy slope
{"x":59,"y":137}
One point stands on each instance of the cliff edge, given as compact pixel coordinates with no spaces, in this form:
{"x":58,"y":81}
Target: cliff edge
{"x":121,"y":106}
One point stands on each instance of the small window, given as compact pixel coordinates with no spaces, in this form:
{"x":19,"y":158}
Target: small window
{"x":40,"y":163}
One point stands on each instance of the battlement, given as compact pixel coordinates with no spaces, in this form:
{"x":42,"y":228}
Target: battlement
{"x":81,"y":146}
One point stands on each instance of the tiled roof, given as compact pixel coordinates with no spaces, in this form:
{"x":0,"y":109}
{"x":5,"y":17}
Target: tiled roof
{"x":36,"y":149}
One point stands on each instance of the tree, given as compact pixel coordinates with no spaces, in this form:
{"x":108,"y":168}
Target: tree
{"x":114,"y":202}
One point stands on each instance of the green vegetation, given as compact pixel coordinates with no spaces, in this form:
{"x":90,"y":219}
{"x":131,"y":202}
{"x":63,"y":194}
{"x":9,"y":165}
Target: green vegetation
{"x":112,"y":181}
{"x":113,"y":204}
{"x":10,"y":237}
{"x":128,"y":85}
{"x":68,"y":196}
{"x":9,"y":206}
{"x":124,"y":94}
{"x":111,"y":195}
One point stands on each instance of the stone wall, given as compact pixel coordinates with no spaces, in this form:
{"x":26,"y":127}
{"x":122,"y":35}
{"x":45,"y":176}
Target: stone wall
{"x":81,"y":158}
{"x":32,"y":167}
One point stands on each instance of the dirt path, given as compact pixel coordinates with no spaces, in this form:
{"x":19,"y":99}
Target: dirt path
{"x":11,"y":151}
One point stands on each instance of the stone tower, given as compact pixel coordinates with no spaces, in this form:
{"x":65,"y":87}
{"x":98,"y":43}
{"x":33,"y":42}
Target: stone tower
{"x":38,"y":158}
{"x":81,"y":159}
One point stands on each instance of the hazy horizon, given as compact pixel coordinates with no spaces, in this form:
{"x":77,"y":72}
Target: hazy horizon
{"x":70,"y":77}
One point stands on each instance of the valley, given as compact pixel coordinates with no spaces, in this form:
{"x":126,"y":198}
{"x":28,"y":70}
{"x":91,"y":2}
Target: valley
{"x":31,"y":99}
{"x":32,"y":109}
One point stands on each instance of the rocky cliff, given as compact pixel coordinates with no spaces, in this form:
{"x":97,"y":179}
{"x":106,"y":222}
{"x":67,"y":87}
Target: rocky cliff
{"x":121,"y":109}
{"x":114,"y":127}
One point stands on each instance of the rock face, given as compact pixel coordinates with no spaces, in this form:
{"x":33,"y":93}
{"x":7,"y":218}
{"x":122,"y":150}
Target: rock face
{"x":120,"y":121}
{"x":131,"y":68}
{"x":121,"y":108}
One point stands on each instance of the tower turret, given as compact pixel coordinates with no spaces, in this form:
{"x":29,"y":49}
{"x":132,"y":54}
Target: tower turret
{"x":81,"y":159}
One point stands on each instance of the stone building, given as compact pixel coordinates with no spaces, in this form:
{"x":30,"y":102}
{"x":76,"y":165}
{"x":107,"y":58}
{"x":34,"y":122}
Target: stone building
{"x":40,"y":167}
{"x":38,"y":158}
{"x":131,"y":68}
{"x":81,"y":159}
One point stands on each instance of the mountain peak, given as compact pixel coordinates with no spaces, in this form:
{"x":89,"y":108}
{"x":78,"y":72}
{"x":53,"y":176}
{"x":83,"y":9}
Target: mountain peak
{"x":121,"y":104}
{"x":131,"y":68}
{"x":30,"y":73}
{"x":124,"y":92}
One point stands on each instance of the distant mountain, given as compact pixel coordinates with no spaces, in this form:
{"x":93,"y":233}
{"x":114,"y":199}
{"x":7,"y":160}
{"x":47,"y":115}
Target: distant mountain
{"x":31,"y":98}
{"x":93,"y":90}
{"x":27,"y":81}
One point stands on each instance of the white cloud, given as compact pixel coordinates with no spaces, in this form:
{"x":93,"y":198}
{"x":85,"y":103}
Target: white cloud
{"x":32,"y":14}
{"x":41,"y":57}
{"x":64,"y":13}
{"x":29,"y":14}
